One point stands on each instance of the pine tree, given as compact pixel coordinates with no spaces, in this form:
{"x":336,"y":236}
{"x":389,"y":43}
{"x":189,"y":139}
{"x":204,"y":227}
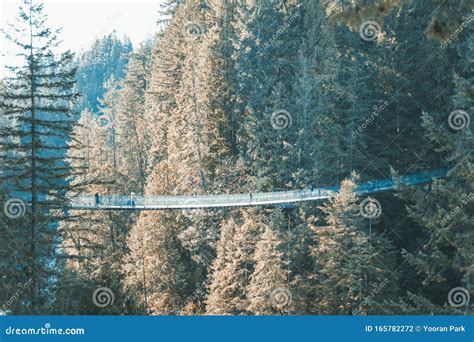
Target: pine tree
{"x":444,"y":209}
{"x":361,"y":260}
{"x":13,"y":245}
{"x":268,"y":290}
{"x":266,"y":67}
{"x":220,"y":289}
{"x":320,"y":131}
{"x":188,"y":105}
{"x":165,"y":269}
{"x":37,"y":101}
{"x":132,"y":138}
{"x":388,"y":101}
{"x":221,"y":77}
{"x":107,"y":58}
{"x":92,"y":258}
{"x":108,"y":113}
{"x":233,"y":266}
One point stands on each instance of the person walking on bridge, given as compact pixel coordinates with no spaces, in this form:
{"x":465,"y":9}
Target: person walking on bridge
{"x":97,"y":199}
{"x":131,"y":201}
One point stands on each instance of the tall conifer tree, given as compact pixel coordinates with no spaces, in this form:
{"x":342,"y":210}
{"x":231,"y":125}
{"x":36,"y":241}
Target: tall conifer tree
{"x":38,"y":99}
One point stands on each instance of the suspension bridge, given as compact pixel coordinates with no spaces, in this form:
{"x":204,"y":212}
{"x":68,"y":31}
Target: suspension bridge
{"x":269,"y":199}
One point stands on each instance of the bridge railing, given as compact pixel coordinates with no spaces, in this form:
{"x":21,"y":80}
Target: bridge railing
{"x":203,"y":201}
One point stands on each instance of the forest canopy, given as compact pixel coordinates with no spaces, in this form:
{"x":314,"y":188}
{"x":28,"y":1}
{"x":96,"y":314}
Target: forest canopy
{"x":242,"y":97}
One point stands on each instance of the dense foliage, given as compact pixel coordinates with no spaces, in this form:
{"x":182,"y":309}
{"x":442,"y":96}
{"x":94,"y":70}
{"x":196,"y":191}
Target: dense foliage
{"x":236,"y":96}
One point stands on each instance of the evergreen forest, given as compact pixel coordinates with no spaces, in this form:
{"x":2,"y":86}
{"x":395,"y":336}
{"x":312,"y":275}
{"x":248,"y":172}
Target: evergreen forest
{"x":242,"y":97}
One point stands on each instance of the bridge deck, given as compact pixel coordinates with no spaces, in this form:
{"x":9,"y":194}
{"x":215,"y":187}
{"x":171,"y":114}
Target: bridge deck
{"x":271,"y":199}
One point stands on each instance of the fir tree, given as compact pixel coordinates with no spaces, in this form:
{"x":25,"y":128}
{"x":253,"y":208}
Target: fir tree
{"x":266,"y":68}
{"x":107,"y":58}
{"x":93,"y":255}
{"x":37,"y":101}
{"x":268,"y":291}
{"x":444,"y":209}
{"x":361,"y":259}
{"x":233,"y":266}
{"x":132,"y":138}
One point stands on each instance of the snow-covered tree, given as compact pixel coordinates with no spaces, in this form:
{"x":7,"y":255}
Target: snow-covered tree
{"x":233,"y":266}
{"x":349,"y":260}
{"x":268,"y":291}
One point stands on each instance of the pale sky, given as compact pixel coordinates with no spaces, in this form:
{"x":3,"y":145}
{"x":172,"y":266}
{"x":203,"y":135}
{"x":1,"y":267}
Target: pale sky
{"x":85,"y":20}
